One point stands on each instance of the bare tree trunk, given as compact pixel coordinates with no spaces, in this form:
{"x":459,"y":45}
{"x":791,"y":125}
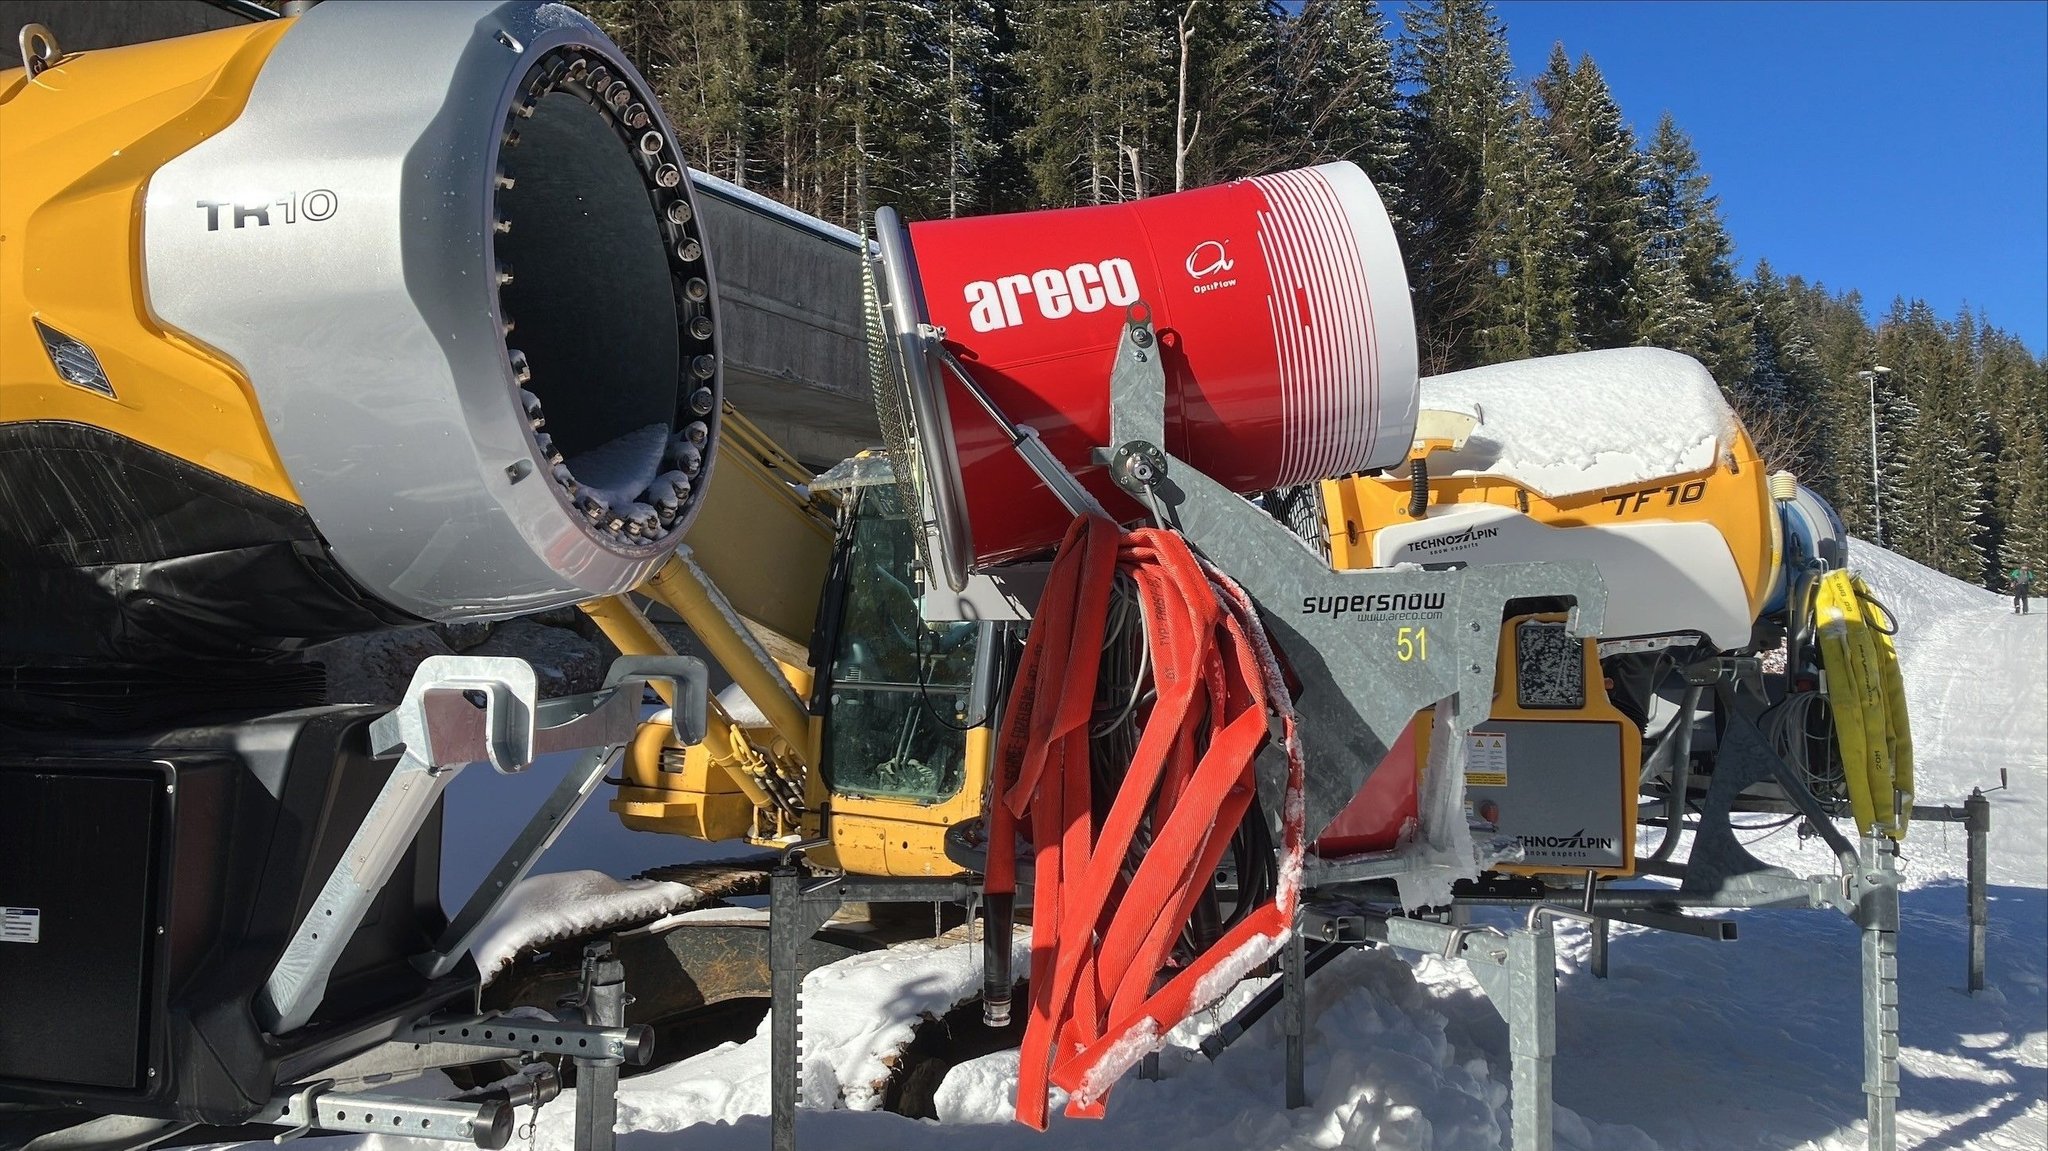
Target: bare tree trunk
{"x":1183,"y":140}
{"x":952,"y":118}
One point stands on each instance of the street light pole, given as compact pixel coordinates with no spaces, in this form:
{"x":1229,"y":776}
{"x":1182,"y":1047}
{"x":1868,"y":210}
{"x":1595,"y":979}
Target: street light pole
{"x":1876,"y":492}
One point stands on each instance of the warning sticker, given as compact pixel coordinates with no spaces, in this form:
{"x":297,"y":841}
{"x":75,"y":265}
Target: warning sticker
{"x":1486,"y":759}
{"x":21,"y":924}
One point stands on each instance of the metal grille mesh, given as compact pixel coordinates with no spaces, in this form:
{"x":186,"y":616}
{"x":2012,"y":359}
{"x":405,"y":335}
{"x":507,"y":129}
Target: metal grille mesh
{"x":892,"y":412}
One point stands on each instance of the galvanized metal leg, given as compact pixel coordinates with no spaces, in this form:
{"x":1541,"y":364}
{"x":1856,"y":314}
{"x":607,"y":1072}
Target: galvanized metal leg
{"x":1877,"y":914}
{"x":597,"y":1079}
{"x":1518,"y":972}
{"x":1531,"y":1011}
{"x":785,"y":943}
{"x":1977,"y":821}
{"x":1294,"y":1019}
{"x":1599,"y":963}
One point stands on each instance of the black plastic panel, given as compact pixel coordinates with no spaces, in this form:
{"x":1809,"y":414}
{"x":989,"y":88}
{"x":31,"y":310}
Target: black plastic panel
{"x":78,"y":851}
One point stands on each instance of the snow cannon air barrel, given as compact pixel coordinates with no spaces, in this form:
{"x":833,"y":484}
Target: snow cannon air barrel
{"x":1281,"y":305}
{"x":374,"y":315}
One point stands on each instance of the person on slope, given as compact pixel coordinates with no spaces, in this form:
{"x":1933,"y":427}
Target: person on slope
{"x":2022,"y":582}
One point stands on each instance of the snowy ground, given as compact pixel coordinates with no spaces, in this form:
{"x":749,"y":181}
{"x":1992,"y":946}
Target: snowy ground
{"x":1687,"y":1044}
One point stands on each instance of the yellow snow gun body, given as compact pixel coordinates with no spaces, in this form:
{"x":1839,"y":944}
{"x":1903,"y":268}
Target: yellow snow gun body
{"x":1629,"y":458}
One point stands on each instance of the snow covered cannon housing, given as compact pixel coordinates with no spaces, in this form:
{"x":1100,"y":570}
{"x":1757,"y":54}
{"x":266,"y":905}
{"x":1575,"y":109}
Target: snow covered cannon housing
{"x":378,"y":314}
{"x":1283,"y":316}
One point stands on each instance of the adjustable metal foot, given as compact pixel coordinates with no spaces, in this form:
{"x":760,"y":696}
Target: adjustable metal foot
{"x":1877,"y":913}
{"x":1518,"y":972}
{"x":1977,"y":823}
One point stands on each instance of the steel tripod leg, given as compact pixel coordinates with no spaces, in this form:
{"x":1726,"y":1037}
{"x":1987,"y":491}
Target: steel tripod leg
{"x":1878,"y":915}
{"x":1977,"y":821}
{"x":785,"y":941}
{"x":1294,"y":1018}
{"x":1531,"y":1011}
{"x":597,"y":1080}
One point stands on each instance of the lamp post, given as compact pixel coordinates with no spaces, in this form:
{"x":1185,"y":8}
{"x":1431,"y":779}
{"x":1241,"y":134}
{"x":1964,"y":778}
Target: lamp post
{"x":1876,"y":493}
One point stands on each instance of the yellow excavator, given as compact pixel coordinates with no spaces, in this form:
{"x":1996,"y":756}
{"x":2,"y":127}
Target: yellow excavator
{"x":378,"y":316}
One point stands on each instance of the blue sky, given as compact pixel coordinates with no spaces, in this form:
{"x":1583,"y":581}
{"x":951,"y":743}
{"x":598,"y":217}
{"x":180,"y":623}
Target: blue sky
{"x":1894,"y":148}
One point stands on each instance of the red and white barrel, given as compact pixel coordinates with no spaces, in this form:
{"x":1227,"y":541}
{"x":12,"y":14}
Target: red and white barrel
{"x":1281,"y":304}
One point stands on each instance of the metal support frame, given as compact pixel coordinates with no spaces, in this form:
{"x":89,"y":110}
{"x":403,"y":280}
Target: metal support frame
{"x":799,"y":904}
{"x":460,"y":710}
{"x":485,"y":1124}
{"x":1327,"y":623}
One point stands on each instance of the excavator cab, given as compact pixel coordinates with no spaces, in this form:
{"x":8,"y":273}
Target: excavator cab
{"x":906,"y":703}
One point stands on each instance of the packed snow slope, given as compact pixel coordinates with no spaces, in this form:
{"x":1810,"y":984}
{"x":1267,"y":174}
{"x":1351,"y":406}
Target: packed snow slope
{"x":1687,"y":1045}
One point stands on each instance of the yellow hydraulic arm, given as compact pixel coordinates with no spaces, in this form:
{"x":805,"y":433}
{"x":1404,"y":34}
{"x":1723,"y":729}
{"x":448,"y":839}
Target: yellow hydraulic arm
{"x":750,"y":596}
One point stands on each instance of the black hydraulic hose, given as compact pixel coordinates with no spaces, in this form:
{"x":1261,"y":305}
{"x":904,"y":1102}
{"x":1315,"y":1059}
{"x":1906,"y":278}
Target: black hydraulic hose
{"x":1418,"y":486}
{"x":998,"y":911}
{"x":1681,"y":773}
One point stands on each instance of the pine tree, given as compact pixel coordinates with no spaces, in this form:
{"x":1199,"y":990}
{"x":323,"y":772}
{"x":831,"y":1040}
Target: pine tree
{"x":1100,"y":80}
{"x":1226,"y":55}
{"x":1690,"y":298}
{"x":1584,"y":127}
{"x":1463,"y":127}
{"x":968,"y":47}
{"x":1531,"y":309}
{"x":1337,"y":99}
{"x":1779,"y":396}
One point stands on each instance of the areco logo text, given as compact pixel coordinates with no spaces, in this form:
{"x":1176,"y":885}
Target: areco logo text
{"x":996,"y":304}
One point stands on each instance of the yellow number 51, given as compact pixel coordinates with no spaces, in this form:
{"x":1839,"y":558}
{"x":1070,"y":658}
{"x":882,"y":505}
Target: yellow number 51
{"x":1411,"y":643}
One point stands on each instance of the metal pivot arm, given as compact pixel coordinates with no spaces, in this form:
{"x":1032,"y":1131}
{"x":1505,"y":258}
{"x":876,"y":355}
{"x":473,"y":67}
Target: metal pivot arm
{"x":459,"y":710}
{"x":1341,"y":631}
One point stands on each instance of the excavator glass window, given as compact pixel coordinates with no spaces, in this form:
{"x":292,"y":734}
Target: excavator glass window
{"x":902,"y":690}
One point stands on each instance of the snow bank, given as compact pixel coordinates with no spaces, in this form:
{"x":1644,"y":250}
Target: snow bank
{"x":1567,"y":425}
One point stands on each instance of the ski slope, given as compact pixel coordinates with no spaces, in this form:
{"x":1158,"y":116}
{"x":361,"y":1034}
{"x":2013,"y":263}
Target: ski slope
{"x":1687,"y":1045}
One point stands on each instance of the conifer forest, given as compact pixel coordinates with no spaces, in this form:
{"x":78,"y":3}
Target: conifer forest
{"x":1534,"y":218}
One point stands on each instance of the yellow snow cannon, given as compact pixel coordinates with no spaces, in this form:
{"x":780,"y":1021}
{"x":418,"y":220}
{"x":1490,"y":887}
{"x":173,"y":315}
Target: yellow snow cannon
{"x":1630,"y":459}
{"x":370,"y":316}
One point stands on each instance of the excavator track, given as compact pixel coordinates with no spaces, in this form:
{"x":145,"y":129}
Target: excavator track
{"x":736,"y":878}
{"x":699,"y":974}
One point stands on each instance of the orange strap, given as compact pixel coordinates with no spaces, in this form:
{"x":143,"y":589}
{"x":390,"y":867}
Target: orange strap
{"x":1100,"y":943}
